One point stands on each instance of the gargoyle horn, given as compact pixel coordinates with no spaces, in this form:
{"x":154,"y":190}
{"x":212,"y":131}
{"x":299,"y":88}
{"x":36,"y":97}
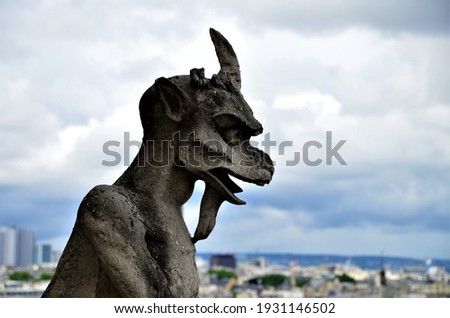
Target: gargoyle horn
{"x":229,"y":65}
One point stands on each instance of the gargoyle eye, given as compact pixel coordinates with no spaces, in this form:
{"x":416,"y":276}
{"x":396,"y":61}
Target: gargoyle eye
{"x":233,"y":136}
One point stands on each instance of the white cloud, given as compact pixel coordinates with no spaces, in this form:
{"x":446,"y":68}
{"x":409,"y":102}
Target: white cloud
{"x":319,"y":105}
{"x":71,"y":79}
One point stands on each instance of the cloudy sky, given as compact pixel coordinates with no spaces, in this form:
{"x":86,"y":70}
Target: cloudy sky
{"x":376,"y":74}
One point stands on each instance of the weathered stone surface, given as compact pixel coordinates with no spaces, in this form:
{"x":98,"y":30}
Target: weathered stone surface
{"x":130,"y":239}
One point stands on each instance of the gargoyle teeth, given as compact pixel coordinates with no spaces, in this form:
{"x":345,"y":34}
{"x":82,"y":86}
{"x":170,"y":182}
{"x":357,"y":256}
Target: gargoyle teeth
{"x":223,"y":176}
{"x":261,"y":183}
{"x":220,"y":180}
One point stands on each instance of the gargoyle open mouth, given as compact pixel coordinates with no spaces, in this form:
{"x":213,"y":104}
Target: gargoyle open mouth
{"x":221,"y":181}
{"x":220,"y":187}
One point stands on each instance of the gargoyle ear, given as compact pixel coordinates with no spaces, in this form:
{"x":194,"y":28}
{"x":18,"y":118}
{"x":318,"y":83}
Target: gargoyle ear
{"x":172,"y":97}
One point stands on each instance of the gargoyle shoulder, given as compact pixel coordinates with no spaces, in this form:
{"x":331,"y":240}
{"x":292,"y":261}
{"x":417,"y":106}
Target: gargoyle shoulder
{"x":105,"y":201}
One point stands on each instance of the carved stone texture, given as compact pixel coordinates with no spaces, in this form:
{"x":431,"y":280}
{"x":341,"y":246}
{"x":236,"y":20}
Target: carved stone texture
{"x":130,"y":239}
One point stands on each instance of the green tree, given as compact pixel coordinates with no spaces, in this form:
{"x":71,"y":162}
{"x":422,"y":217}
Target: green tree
{"x":300,"y":282}
{"x":222,"y":273}
{"x":46,"y":276}
{"x":344,"y":278}
{"x":274,"y":280}
{"x":21,"y":276}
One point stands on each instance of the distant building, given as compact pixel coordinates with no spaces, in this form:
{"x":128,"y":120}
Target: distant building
{"x":223,"y":260}
{"x":8,"y":246}
{"x":42,"y":254}
{"x":25,"y":246}
{"x":16,"y":246}
{"x":260,"y":262}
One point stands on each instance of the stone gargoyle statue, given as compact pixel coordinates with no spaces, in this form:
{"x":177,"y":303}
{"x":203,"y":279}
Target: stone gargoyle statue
{"x":129,"y":238}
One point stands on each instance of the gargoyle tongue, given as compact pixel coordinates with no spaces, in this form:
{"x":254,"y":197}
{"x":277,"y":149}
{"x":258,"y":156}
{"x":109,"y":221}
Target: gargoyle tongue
{"x":209,"y":207}
{"x":219,"y":188}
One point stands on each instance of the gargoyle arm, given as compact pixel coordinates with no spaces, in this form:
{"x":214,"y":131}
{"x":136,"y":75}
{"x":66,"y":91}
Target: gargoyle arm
{"x":122,"y":255}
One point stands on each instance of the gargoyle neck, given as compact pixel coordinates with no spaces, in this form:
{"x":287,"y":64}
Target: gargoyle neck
{"x":159,"y":182}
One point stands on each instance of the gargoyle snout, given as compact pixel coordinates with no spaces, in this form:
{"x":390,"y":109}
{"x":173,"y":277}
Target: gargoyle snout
{"x":268,"y":164}
{"x":266,"y":168}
